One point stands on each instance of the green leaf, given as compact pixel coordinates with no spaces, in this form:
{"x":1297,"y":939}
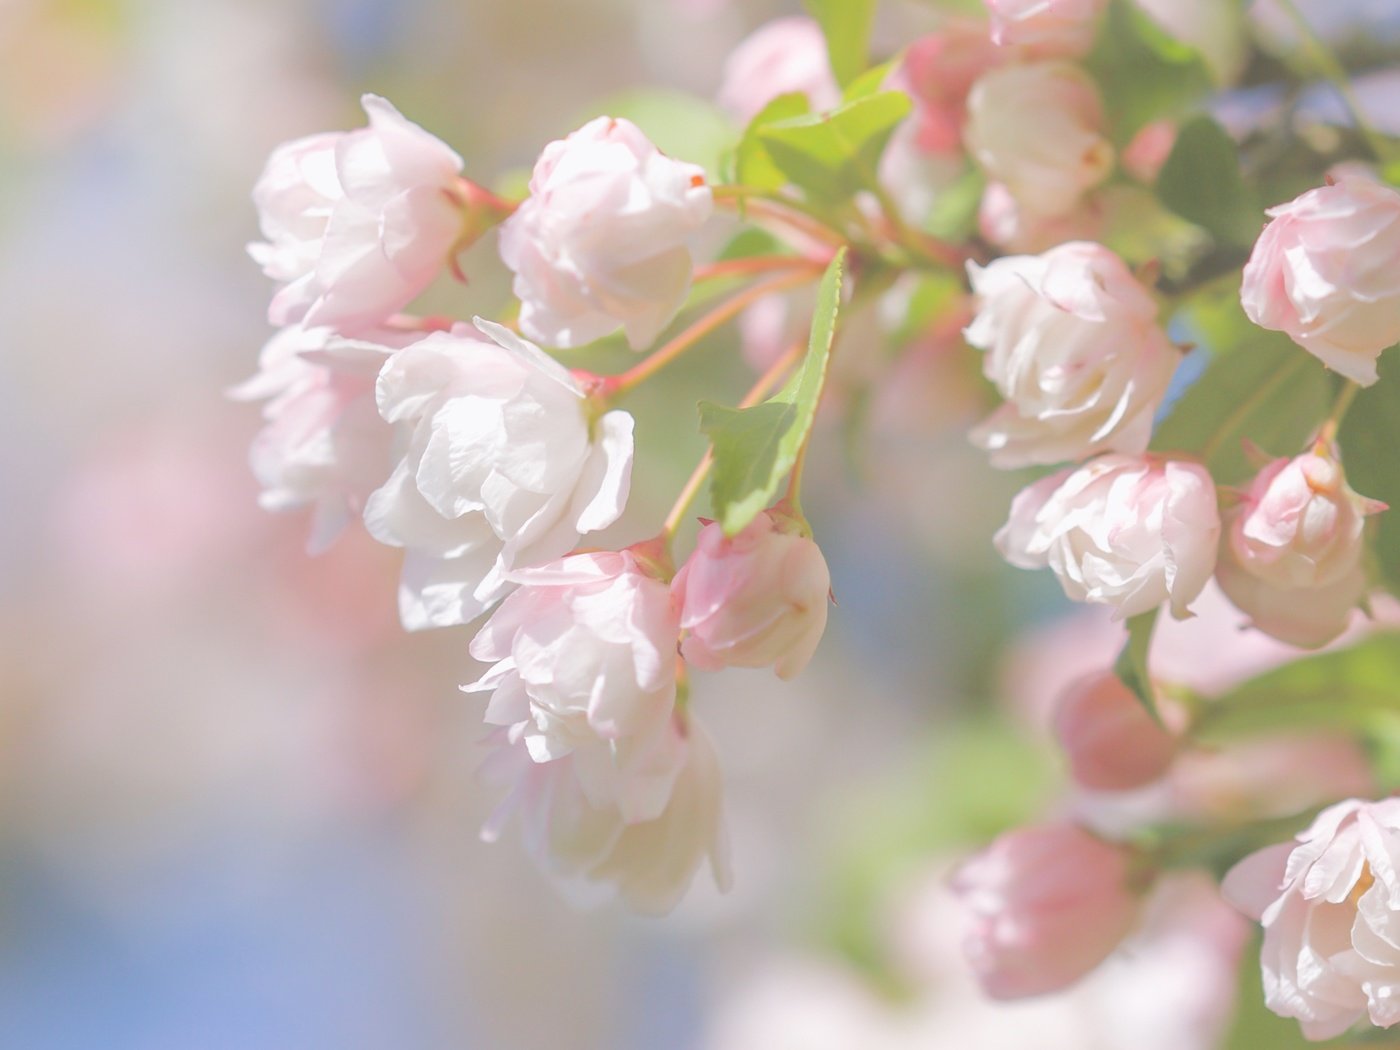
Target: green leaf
{"x":1369,"y":438}
{"x":682,"y":125}
{"x":1348,"y":689}
{"x":1131,"y":665}
{"x":832,"y":156}
{"x":755,"y":448}
{"x":953,"y":216}
{"x":1257,"y":388}
{"x":1201,"y":181}
{"x":869,"y":82}
{"x":753,"y":166}
{"x":846,"y":24}
{"x":1145,"y":74}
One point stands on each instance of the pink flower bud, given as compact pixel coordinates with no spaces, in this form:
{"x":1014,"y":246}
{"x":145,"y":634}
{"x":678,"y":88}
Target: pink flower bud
{"x":1326,"y":271}
{"x":357,"y":223}
{"x":1048,"y":154}
{"x":1072,"y":343}
{"x":1293,"y":554}
{"x":780,"y":57}
{"x":602,"y":241}
{"x":938,"y":71}
{"x":1048,"y":903}
{"x":1111,"y":741}
{"x":1144,"y":156}
{"x":1046,"y":28}
{"x":753,"y":600}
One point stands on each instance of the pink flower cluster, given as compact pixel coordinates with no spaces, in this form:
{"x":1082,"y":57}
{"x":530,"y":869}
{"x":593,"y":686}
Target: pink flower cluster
{"x":486,"y":461}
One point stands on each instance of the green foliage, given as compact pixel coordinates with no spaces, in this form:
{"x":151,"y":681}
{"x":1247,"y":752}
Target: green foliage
{"x":1353,"y":687}
{"x":1258,"y":388}
{"x":755,"y":448}
{"x":1201,"y":181}
{"x":985,"y":777}
{"x":753,"y":167}
{"x":1370,"y":438}
{"x":1144,"y":73}
{"x":682,"y":125}
{"x":953,"y":217}
{"x":1131,"y":665}
{"x":832,"y":156}
{"x":846,"y":24}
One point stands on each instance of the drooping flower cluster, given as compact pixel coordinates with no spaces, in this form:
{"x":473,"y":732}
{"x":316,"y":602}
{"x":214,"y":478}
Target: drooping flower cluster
{"x":486,"y":461}
{"x":489,"y":462}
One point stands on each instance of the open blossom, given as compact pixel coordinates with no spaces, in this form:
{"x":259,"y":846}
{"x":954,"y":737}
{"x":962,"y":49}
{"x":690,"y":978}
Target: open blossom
{"x":1046,"y":28}
{"x":1130,"y":532}
{"x":1048,"y":904}
{"x":591,"y":844}
{"x":753,"y":600}
{"x":503,"y":467}
{"x":1330,"y":908}
{"x":1048,"y":154}
{"x":1072,"y":343}
{"x":780,"y":57}
{"x":1112,"y":743}
{"x":602,"y":241}
{"x":1326,"y":271}
{"x":1293,"y":552}
{"x":937,"y":71}
{"x":584,"y":651}
{"x":357,"y":223}
{"x":324,"y":444}
{"x":613,"y":783}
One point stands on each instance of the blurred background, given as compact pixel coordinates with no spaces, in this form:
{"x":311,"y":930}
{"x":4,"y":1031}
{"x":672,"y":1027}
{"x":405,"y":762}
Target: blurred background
{"x":237,"y":802}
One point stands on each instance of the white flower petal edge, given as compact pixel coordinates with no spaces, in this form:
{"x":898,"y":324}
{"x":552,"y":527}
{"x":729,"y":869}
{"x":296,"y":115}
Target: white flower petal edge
{"x":503,"y":467}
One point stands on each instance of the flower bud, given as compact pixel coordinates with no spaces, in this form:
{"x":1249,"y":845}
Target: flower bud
{"x":1048,"y":904}
{"x":1112,"y":743}
{"x":1292,"y":558}
{"x":602,"y":241}
{"x":1072,"y":343}
{"x":1124,"y":531}
{"x":1326,"y":271}
{"x":938,"y":70}
{"x":754,"y":600}
{"x":1046,"y":28}
{"x":1145,"y":155}
{"x":1050,"y":153}
{"x":780,"y":57}
{"x":357,"y":223}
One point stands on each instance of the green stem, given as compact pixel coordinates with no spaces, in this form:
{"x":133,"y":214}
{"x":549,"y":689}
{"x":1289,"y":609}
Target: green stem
{"x":1339,"y":412}
{"x":1336,"y":74}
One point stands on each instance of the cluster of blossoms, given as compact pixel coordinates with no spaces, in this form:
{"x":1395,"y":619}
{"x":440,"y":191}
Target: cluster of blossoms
{"x":487,"y":461}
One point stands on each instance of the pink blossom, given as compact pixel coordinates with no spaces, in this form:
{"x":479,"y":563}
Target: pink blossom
{"x":1125,"y":531}
{"x":602,"y":241}
{"x":613,"y":783}
{"x":1048,"y":154}
{"x":1326,"y":271}
{"x":1330,"y":908}
{"x":1046,"y":28}
{"x":1072,"y":343}
{"x":1112,"y":743}
{"x":1293,"y":556}
{"x":503,"y":466}
{"x":1048,"y":904}
{"x":938,"y":71}
{"x":755,"y":599}
{"x":357,"y":223}
{"x":783,"y":56}
{"x":324,"y":444}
